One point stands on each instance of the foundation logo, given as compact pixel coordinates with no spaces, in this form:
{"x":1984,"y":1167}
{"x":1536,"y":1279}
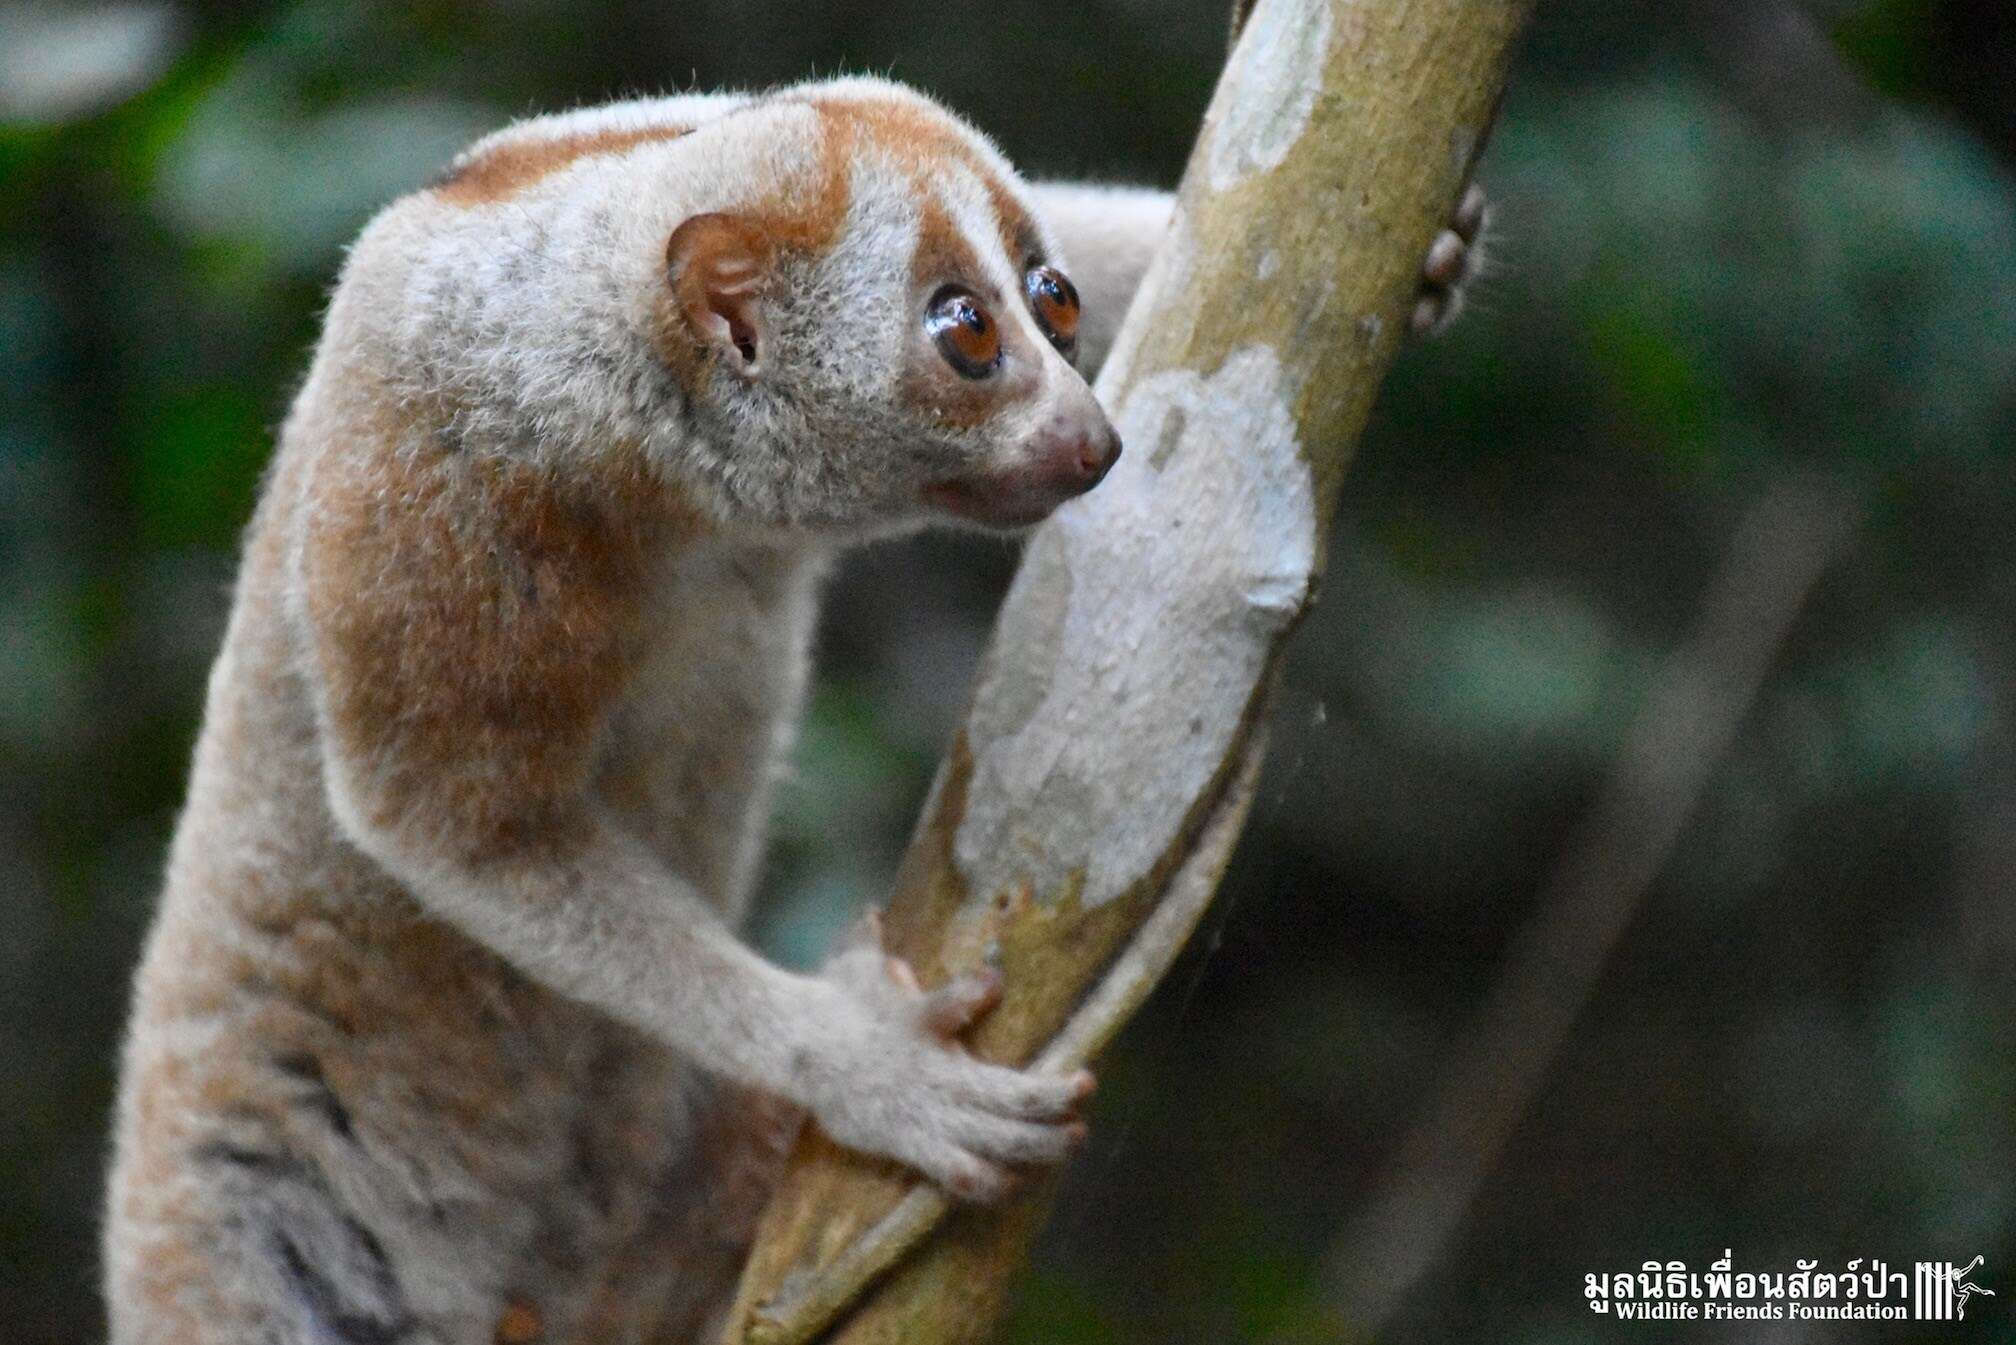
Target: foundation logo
{"x":1863,"y":1290}
{"x":1940,"y":1292}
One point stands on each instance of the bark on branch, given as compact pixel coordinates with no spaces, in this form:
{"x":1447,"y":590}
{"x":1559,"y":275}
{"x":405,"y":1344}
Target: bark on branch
{"x":1088,"y":804}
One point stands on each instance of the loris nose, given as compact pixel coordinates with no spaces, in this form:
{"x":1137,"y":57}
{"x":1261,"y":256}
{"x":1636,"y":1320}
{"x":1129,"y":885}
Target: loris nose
{"x":1079,"y":454}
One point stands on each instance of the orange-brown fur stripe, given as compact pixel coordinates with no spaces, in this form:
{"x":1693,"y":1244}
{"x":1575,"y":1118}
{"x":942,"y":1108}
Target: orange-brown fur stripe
{"x":505,"y":170}
{"x":921,"y":139}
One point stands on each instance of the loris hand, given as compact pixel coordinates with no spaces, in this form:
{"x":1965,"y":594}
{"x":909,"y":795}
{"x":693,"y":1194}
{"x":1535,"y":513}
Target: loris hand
{"x":1454,"y":260}
{"x":886,"y":1075}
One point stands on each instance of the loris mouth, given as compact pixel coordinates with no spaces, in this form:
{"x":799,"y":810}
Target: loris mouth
{"x":1004,"y":504}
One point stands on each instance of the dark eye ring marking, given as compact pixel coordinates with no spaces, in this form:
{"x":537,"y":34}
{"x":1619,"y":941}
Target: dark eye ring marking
{"x":964,"y":331}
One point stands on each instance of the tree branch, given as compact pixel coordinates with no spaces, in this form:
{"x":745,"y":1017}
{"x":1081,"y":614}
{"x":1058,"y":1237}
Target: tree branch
{"x":1088,"y":804}
{"x":803,"y":1307}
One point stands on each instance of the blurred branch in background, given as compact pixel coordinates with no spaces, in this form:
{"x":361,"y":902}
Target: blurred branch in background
{"x":1789,"y":538}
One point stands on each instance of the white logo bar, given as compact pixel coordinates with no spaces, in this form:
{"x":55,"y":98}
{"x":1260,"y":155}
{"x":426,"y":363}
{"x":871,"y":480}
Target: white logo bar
{"x":1932,"y":1291}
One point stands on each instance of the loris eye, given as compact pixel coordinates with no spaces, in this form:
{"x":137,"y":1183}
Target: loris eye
{"x":965,"y":332}
{"x":1054,"y":300}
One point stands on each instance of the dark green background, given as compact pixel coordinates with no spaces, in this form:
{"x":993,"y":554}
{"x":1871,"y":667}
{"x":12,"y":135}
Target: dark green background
{"x":1736,"y":240}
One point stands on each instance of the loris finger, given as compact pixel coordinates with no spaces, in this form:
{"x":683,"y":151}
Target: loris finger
{"x":958,"y":1004}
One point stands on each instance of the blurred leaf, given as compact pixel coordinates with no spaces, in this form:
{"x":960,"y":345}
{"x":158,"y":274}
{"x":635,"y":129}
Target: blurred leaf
{"x":1663,"y":392}
{"x":1053,"y":1309}
{"x":1922,"y":705}
{"x":199,"y":455}
{"x":1889,"y":41}
{"x":1515,"y":671}
{"x":289,"y":187}
{"x":57,"y":65}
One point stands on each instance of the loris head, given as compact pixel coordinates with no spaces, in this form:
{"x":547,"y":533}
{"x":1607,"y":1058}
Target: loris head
{"x":870,"y":327}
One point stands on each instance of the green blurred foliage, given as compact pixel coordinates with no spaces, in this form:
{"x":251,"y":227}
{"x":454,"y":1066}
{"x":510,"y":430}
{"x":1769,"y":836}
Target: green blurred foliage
{"x":1735,"y":239}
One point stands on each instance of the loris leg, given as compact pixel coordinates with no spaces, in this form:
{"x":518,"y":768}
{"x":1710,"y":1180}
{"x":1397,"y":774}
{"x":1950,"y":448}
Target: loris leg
{"x":1454,"y":260}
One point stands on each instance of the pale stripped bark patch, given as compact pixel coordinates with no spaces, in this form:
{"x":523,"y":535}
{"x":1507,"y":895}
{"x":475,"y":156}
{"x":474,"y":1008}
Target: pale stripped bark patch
{"x":1280,"y":60}
{"x":1166,"y":587}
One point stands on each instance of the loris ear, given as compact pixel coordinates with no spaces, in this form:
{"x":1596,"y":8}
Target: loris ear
{"x":716,"y":265}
